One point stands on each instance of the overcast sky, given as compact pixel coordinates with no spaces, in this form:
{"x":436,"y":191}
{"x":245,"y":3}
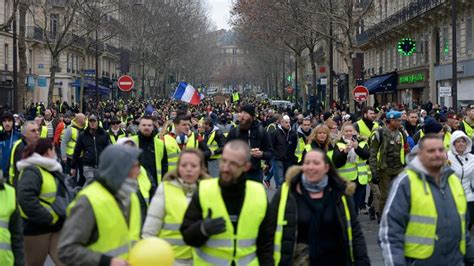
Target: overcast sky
{"x":220,"y":13}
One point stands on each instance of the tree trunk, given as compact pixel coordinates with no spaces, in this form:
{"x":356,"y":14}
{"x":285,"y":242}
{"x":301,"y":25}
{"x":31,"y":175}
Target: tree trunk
{"x":315,"y":78}
{"x":302,"y":80}
{"x":22,"y":9}
{"x":52,"y":78}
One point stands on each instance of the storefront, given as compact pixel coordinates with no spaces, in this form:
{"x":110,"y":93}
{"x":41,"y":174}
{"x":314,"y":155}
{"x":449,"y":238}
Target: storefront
{"x":383,"y":88}
{"x":465,"y":84}
{"x":411,"y":86}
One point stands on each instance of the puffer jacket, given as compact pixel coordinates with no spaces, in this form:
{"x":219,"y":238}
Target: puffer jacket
{"x":89,"y":147}
{"x":396,"y":216}
{"x":339,"y":187}
{"x":463,"y":164}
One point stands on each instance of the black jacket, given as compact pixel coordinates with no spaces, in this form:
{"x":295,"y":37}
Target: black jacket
{"x":284,"y":144}
{"x":29,"y":187}
{"x":337,"y":187}
{"x":339,"y":158}
{"x":147,"y":159}
{"x":316,"y":145}
{"x":258,"y":138}
{"x":90,"y":146}
{"x":233,"y":197}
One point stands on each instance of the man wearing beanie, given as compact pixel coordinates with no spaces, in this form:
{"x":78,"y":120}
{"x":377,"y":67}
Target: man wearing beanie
{"x":431,"y":126}
{"x":250,"y":131}
{"x":104,"y":219}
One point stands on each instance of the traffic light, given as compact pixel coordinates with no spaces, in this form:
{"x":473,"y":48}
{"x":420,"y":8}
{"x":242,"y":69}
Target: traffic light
{"x":289,"y":78}
{"x":406,"y":46}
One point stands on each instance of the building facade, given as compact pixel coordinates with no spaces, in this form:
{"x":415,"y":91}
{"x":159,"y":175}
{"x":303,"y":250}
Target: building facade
{"x":418,"y":77}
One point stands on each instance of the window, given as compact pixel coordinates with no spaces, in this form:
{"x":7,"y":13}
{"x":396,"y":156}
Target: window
{"x":6,"y":55}
{"x":445,"y":46}
{"x":6,"y":10}
{"x":30,"y":59}
{"x":67,"y":63}
{"x":54,"y":24}
{"x":469,"y":42}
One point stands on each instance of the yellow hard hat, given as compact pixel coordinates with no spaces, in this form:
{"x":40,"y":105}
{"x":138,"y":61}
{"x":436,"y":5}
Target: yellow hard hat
{"x":151,"y":252}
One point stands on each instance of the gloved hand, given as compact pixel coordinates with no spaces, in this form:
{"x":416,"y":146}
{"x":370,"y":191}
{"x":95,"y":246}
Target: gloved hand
{"x":211,"y":226}
{"x":375,"y":179}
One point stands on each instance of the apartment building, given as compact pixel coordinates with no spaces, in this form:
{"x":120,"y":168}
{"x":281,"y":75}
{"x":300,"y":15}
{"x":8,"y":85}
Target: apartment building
{"x":426,"y":73}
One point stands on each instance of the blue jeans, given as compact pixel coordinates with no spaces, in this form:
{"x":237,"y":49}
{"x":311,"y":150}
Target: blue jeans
{"x":279,"y":170}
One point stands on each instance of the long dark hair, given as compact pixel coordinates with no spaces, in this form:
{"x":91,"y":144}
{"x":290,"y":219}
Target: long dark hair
{"x":41,"y":147}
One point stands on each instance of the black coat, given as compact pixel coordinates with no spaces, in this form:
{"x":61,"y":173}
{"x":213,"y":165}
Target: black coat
{"x":339,"y":158}
{"x":284,"y":145}
{"x":288,"y":244}
{"x":258,"y":138}
{"x":90,"y":146}
{"x":219,"y":138}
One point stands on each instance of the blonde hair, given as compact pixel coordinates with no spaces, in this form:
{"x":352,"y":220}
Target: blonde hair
{"x":174,"y":174}
{"x":316,"y":130}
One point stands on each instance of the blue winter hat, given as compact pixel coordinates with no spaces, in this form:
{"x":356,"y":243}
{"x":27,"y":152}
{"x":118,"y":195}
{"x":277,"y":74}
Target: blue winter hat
{"x":149,"y":109}
{"x":393,"y":115}
{"x":432,"y":126}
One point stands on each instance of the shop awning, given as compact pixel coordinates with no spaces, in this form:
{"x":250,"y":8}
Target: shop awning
{"x":382,"y":84}
{"x":90,"y":88}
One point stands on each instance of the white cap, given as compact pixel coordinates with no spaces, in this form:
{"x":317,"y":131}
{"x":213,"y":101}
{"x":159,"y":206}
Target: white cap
{"x":122,"y":141}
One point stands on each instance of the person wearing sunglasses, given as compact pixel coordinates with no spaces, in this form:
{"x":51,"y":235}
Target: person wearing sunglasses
{"x":116,"y":132}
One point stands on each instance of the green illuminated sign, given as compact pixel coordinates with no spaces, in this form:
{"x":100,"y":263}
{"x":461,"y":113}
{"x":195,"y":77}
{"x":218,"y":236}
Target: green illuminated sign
{"x":289,"y":78}
{"x":407,"y":46}
{"x":413,"y":78}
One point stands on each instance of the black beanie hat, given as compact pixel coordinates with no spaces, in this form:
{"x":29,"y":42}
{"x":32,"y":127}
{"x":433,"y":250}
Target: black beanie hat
{"x":432,"y":126}
{"x":248,"y":109}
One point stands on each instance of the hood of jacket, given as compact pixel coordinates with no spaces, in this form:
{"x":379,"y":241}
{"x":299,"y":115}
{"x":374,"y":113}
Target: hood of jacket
{"x":35,"y":159}
{"x":114,"y":164}
{"x":457,"y":135}
{"x":418,"y":167}
{"x":346,"y":187}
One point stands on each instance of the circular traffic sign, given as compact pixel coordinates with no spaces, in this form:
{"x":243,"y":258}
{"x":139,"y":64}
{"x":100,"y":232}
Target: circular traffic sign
{"x":289,"y":89}
{"x":125,"y":83}
{"x":360,"y":94}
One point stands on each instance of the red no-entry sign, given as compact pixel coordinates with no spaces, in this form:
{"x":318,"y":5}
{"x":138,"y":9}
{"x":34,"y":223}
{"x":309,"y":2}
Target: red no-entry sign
{"x":360,"y":94}
{"x":125,"y":83}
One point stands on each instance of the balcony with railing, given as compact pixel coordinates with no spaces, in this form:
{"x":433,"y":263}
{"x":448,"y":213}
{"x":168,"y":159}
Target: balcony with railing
{"x":413,"y":10}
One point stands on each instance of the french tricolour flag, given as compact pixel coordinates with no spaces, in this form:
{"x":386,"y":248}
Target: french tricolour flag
{"x":187,"y":93}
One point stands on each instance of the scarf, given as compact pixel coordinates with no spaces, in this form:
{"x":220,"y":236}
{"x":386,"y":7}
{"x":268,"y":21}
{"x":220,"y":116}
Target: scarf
{"x":314,"y":187}
{"x":351,"y":155}
{"x":128,"y":187}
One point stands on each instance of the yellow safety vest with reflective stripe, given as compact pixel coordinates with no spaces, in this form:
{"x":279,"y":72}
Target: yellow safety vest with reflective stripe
{"x":116,"y":236}
{"x":364,"y":129}
{"x":11,"y":170}
{"x":420,"y":235}
{"x":235,"y":97}
{"x":446,"y":139}
{"x":71,"y":144}
{"x":359,"y":167}
{"x":468,"y":129}
{"x":144,"y":184}
{"x":300,"y":147}
{"x":8,"y":200}
{"x":158,"y":145}
{"x":47,"y":194}
{"x":173,"y":149}
{"x":281,"y":223}
{"x":212,"y":144}
{"x":227,"y":247}
{"x":119,"y":136}
{"x":44,"y":132}
{"x":175,"y":208}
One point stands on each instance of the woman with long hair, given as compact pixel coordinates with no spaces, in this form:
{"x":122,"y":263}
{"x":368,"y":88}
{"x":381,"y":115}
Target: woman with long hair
{"x":315,"y":219}
{"x":43,"y":198}
{"x":167,"y":208}
{"x":319,"y":139}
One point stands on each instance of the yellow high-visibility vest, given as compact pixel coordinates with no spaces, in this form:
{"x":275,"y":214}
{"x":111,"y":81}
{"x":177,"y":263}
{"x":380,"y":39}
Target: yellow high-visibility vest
{"x":8,"y":200}
{"x":420,"y":235}
{"x":173,"y":150}
{"x":144,"y":184}
{"x":227,"y":247}
{"x":116,"y":236}
{"x":175,"y":208}
{"x":47,"y":194}
{"x":158,"y":146}
{"x":212,"y":144}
